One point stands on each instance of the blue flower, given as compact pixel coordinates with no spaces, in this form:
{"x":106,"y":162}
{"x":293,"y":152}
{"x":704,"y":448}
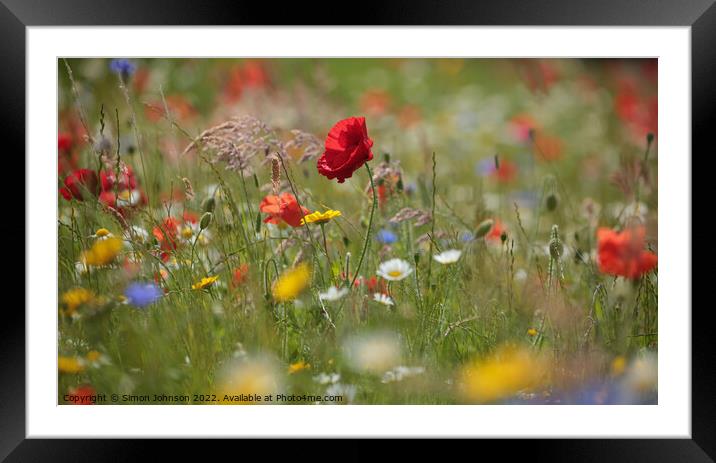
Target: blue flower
{"x":122,"y":66}
{"x":466,"y":236}
{"x":386,"y":236}
{"x":485,"y":166}
{"x":142,"y":294}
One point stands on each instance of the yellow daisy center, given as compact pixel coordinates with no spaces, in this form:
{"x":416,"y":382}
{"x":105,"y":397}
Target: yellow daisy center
{"x":395,"y":273}
{"x":102,"y":232}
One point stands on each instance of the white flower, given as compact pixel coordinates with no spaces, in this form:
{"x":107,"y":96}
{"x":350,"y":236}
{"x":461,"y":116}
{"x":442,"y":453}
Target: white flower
{"x":521,"y":275}
{"x":327,"y":378}
{"x":373,"y":352}
{"x":383,"y":299}
{"x":448,"y":257}
{"x":333,"y":294}
{"x":400,"y":372}
{"x":394,"y":270}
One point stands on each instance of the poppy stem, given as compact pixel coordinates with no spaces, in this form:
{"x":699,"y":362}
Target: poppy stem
{"x":370,"y":226}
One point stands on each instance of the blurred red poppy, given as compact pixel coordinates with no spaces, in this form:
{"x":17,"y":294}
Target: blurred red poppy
{"x":495,"y":233}
{"x":506,"y":172}
{"x":79,"y":184}
{"x":83,"y":394}
{"x":623,"y":254}
{"x":240,"y":274}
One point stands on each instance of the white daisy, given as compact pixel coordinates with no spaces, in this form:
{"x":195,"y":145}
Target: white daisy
{"x":394,"y":270}
{"x":102,"y":234}
{"x":333,"y":294}
{"x":383,"y":299}
{"x":448,"y":257}
{"x":129,"y":198}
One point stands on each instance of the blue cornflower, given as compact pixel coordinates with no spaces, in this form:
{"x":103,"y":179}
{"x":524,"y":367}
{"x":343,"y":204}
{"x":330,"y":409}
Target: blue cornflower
{"x":141,"y":294}
{"x":122,"y":66}
{"x":386,"y":236}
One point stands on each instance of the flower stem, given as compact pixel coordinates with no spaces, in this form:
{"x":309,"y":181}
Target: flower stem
{"x":370,"y":226}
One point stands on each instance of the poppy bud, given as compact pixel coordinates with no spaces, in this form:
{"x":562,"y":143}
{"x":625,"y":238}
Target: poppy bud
{"x":208,"y":205}
{"x":503,"y":237}
{"x":416,"y":258}
{"x":551,"y":202}
{"x":483,"y":228}
{"x":386,"y":156}
{"x":346,"y":241}
{"x":649,"y":138}
{"x":258,"y":222}
{"x":205,"y":220}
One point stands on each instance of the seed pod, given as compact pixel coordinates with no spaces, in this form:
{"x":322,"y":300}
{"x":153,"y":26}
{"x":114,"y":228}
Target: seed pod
{"x":483,"y":228}
{"x":209,"y":204}
{"x":551,"y":202}
{"x":556,"y":248}
{"x":205,"y":220}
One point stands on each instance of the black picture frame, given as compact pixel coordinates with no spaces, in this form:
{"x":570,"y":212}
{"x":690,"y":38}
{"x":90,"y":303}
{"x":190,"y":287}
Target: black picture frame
{"x":700,"y":15}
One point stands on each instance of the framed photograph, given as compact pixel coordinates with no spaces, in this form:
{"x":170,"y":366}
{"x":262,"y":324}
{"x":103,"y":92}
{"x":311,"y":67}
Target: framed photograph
{"x":471,"y":220}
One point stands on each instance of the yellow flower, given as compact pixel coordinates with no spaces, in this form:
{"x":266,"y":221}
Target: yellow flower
{"x":532,"y":332}
{"x":102,"y":252}
{"x":320,"y":217}
{"x":93,"y":356}
{"x":71,"y":365}
{"x":75,"y":298}
{"x":298,"y":366}
{"x":618,"y":365}
{"x":505,"y":373}
{"x":248,"y":381}
{"x":291,"y":283}
{"x":101,"y":233}
{"x":205,"y":282}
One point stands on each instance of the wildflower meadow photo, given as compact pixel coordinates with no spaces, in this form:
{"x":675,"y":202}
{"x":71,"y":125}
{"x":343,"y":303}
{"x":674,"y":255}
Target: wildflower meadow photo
{"x":337,"y":231}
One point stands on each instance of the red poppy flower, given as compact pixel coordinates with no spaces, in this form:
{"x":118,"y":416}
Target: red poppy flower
{"x":83,"y":394}
{"x":623,"y":254}
{"x":64,"y":141}
{"x":495,"y":233}
{"x":521,"y":125}
{"x":127,"y":180}
{"x":347,"y":149}
{"x":376,"y":286}
{"x":167,"y":233}
{"x":79,"y":183}
{"x":506,"y":172}
{"x":239,"y":275}
{"x":375,"y":101}
{"x":283,"y":208}
{"x":547,"y":147}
